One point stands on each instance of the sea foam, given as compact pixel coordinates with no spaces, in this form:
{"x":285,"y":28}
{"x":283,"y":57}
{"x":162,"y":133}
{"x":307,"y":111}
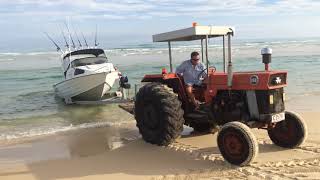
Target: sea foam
{"x":35,"y":132}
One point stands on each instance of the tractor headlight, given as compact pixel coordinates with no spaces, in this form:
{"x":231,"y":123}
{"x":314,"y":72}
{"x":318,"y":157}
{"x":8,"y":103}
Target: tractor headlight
{"x":271,"y":99}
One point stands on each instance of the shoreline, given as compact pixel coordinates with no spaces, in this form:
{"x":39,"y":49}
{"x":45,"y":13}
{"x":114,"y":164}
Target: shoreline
{"x":304,"y":103}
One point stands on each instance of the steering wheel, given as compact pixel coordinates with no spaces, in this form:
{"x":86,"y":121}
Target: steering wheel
{"x":204,"y":70}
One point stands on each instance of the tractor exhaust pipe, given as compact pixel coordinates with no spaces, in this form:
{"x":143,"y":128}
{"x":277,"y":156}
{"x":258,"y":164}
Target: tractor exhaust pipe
{"x":266,"y":57}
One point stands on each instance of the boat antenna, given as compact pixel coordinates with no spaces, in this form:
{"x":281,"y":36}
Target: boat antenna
{"x":84,"y":38}
{"x":75,"y":32}
{"x":57,"y":46}
{"x":73,"y":45}
{"x":95,"y":38}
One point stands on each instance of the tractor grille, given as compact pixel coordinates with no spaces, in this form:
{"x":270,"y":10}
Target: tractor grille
{"x":277,"y":79}
{"x":263,"y":101}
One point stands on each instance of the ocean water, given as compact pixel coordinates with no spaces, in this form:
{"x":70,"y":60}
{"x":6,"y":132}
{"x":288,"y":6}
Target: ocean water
{"x":29,"y":107}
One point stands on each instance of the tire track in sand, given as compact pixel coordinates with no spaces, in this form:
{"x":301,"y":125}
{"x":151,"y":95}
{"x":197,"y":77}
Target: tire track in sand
{"x":286,"y":169}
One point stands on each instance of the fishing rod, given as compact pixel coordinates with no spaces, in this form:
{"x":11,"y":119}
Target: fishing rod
{"x":73,"y":45}
{"x":75,"y":32}
{"x":85,"y":41}
{"x":65,"y":39}
{"x":57,"y":46}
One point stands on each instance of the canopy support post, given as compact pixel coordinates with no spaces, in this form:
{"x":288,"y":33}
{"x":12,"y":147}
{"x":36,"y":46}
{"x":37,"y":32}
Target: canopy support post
{"x":230,"y":74}
{"x":202,"y":50}
{"x":207,"y":60}
{"x":224,"y":55}
{"x":170,"y":56}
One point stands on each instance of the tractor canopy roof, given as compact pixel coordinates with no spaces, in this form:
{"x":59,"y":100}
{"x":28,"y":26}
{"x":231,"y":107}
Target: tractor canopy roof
{"x":193,"y":33}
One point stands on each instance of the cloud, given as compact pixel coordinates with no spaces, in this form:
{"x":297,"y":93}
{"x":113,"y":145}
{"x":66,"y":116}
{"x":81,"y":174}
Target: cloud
{"x":120,"y":19}
{"x":145,"y":9}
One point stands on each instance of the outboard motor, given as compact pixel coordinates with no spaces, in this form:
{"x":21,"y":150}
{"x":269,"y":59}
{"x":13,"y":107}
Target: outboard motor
{"x":266,"y":57}
{"x":123,"y":82}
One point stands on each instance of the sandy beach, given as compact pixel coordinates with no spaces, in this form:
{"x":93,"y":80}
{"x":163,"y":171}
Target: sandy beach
{"x":65,"y":66}
{"x":118,"y":152}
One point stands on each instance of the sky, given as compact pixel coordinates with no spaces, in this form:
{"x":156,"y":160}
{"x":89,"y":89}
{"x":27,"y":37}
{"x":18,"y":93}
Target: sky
{"x":127,"y":22}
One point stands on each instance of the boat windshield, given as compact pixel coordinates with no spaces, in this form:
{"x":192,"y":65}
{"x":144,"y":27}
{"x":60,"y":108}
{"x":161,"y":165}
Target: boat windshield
{"x":81,"y":56}
{"x":88,"y":61}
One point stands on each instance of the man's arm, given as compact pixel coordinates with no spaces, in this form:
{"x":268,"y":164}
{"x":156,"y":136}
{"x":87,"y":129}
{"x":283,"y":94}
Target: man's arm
{"x":180,"y":69}
{"x":203,"y":67}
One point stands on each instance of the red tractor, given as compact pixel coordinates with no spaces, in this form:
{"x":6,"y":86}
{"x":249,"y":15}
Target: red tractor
{"x":234,"y":101}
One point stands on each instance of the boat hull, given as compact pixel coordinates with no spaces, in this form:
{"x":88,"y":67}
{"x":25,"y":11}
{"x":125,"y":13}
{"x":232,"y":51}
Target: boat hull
{"x":90,"y":87}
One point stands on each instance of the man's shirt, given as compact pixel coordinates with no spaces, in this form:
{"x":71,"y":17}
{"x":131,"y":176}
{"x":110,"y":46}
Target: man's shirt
{"x":190,"y":74}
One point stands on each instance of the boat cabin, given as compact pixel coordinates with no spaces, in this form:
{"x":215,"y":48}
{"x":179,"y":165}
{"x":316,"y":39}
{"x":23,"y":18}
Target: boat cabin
{"x":83,"y":57}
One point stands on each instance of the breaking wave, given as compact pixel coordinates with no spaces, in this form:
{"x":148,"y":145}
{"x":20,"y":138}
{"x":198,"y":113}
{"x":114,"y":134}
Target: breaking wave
{"x":10,"y":54}
{"x":35,"y":132}
{"x":6,"y":59}
{"x":161,"y":48}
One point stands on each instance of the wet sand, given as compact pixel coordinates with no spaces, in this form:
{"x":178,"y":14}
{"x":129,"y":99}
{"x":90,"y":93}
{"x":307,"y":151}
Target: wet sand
{"x":118,"y":152}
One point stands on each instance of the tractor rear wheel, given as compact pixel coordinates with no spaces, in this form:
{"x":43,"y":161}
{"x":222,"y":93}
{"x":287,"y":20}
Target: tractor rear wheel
{"x":289,"y":133}
{"x":237,"y":143}
{"x":158,"y":114}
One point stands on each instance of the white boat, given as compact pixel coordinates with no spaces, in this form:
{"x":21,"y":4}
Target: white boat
{"x":88,"y":75}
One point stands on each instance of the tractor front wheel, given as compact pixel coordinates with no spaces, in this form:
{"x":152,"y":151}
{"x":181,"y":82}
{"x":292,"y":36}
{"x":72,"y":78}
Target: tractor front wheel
{"x":289,"y":133}
{"x":158,"y":114}
{"x":237,"y":143}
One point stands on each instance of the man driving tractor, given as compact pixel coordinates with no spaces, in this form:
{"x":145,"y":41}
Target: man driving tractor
{"x":191,"y":70}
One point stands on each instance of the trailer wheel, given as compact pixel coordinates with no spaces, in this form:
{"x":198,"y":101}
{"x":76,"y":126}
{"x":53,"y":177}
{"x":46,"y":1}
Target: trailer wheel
{"x":158,"y":114}
{"x":289,"y":133}
{"x":237,"y":143}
